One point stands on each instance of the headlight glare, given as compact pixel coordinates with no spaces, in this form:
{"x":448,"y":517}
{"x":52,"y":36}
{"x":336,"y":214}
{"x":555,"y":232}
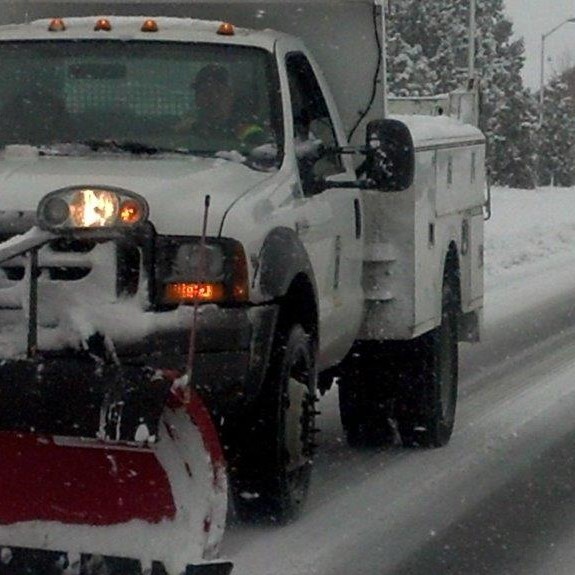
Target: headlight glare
{"x":83,"y":208}
{"x":94,"y":208}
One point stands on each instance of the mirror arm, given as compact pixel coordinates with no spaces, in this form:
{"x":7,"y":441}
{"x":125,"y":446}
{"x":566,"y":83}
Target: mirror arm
{"x":347,"y":150}
{"x":360,"y":184}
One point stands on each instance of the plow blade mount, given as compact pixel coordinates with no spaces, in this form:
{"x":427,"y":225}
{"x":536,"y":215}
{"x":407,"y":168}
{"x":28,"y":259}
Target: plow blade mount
{"x":80,"y":503}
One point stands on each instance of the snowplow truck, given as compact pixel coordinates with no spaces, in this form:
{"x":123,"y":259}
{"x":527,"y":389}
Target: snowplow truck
{"x":209,"y":213}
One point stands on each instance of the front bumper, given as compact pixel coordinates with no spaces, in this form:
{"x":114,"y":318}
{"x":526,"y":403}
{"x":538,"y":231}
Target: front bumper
{"x":124,"y":339}
{"x":78,"y":397}
{"x":231,"y":353}
{"x":48,"y":392}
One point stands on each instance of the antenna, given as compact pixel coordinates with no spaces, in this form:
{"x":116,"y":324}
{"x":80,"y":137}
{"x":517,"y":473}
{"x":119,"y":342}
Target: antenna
{"x":194,"y":328}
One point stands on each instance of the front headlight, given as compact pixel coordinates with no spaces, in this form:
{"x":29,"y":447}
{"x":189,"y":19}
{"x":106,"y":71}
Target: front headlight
{"x":91,"y":208}
{"x":186,"y":272}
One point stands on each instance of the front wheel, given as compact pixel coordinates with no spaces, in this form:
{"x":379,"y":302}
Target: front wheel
{"x":274,"y":462}
{"x":426,"y":408}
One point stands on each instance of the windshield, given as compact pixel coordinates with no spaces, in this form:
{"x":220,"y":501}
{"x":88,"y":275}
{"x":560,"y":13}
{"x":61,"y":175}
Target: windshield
{"x":201,"y":98}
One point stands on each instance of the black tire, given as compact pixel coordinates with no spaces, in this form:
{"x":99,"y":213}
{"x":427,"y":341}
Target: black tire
{"x":425,"y":410}
{"x":365,"y":398}
{"x":272,"y":468}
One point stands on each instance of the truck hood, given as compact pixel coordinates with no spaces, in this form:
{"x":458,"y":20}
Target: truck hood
{"x":173,"y":186}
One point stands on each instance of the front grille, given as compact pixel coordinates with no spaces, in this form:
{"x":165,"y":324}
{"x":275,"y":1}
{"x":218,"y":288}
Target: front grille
{"x":65,"y":260}
{"x":113,"y":266}
{"x":13,"y":274}
{"x":15,"y":269}
{"x":67,"y":274}
{"x":128,"y":262}
{"x":77,"y":281}
{"x":70,"y":245}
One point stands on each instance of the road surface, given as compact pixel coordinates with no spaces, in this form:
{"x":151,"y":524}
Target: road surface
{"x":500,"y":498}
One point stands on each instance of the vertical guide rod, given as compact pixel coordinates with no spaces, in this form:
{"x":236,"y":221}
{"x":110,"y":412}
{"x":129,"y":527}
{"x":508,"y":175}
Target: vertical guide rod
{"x":32,"y":347}
{"x":201,"y":279}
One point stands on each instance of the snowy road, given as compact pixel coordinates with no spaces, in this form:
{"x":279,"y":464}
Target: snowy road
{"x":500,"y":498}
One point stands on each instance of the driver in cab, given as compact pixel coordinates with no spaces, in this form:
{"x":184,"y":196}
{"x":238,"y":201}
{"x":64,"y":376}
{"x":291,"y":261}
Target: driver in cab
{"x":216,"y":121}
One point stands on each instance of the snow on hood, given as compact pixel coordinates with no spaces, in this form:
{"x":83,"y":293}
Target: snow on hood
{"x":173,"y":186}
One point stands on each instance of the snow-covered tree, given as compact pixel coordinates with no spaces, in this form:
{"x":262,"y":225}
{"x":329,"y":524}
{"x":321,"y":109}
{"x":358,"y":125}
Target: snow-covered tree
{"x":556,"y":161}
{"x":412,"y":74}
{"x":437,"y":32}
{"x":511,"y":130}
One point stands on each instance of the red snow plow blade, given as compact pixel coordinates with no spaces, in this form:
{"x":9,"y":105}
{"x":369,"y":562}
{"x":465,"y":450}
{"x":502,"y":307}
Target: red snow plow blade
{"x":108,"y":467}
{"x":84,"y":506}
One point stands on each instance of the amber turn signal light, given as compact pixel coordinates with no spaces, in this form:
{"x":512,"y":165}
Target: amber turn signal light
{"x":130,"y":212}
{"x":190,"y":292}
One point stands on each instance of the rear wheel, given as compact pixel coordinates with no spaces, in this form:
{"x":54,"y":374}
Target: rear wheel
{"x":272,"y":466}
{"x":426,"y":406}
{"x":365,"y":396}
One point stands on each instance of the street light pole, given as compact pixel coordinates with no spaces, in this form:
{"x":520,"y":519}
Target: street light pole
{"x":542,"y":79}
{"x":472,"y":32}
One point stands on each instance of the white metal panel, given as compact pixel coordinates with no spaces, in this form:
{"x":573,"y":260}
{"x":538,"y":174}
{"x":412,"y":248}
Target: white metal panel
{"x":461,"y":181}
{"x":389,"y":265}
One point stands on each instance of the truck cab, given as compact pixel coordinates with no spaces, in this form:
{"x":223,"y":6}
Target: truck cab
{"x":111,"y":109}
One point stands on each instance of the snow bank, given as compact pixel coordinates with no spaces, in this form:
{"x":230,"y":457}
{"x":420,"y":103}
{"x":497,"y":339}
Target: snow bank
{"x":529,"y":231}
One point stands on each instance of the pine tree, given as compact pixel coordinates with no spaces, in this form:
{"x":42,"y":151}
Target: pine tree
{"x":511,"y":143}
{"x":412,"y":75}
{"x":439,"y":32}
{"x":556,"y":137}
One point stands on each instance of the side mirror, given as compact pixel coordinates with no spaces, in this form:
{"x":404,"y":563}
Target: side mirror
{"x":264,"y":156}
{"x":390,"y":161}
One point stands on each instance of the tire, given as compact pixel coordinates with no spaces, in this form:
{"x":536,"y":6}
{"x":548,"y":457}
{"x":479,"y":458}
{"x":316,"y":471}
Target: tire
{"x":273,"y":462}
{"x":425,"y":411}
{"x":364,"y":395}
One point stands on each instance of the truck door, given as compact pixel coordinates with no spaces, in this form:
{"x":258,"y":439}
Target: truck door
{"x":329,"y":220}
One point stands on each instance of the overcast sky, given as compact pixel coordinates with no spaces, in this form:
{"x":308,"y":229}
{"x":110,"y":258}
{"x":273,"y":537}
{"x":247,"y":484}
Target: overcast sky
{"x":532,"y":18}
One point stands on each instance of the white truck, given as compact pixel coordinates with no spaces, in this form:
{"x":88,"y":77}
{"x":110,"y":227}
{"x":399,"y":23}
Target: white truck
{"x":334,"y":239}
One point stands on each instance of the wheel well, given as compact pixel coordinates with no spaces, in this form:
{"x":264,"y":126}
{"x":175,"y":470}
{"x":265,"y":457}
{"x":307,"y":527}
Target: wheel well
{"x":299,"y":305}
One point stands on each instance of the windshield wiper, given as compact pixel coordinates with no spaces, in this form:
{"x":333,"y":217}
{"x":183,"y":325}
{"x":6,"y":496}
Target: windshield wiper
{"x":84,"y":147}
{"x":136,"y":148}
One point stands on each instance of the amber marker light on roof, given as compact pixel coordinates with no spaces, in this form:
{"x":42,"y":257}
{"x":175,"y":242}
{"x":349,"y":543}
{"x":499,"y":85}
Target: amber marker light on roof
{"x":226,"y":29}
{"x":57,"y":25}
{"x":103,"y":24}
{"x":150,"y":26}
